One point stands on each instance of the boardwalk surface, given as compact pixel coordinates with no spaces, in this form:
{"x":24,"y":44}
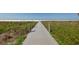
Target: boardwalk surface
{"x":39,"y":36}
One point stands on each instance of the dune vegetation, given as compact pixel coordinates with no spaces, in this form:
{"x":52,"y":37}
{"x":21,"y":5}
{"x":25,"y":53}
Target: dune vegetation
{"x":14,"y":32}
{"x":65,"y":32}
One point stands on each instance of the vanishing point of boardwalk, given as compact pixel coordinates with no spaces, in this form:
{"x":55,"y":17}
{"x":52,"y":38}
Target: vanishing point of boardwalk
{"x":39,"y":36}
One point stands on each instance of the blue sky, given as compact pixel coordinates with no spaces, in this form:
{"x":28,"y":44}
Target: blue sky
{"x":40,"y":16}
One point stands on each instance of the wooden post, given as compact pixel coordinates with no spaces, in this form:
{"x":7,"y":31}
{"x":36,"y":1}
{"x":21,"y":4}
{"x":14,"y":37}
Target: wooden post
{"x":49,"y":26}
{"x":29,"y":27}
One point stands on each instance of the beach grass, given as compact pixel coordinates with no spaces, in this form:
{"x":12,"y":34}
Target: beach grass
{"x":14,"y":32}
{"x":65,"y":32}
